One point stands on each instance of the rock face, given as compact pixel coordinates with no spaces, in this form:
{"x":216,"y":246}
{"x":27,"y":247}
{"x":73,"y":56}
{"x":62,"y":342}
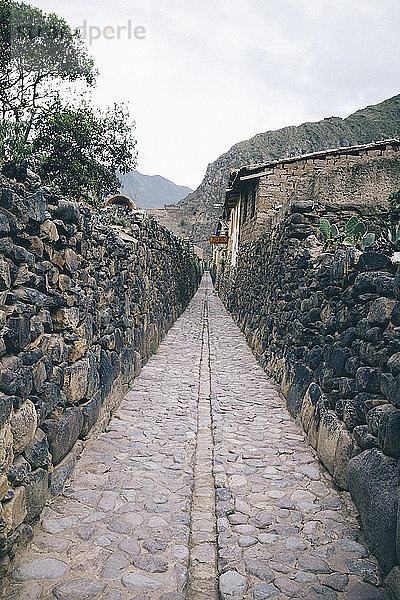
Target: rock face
{"x":369,"y":471}
{"x":325,"y":325}
{"x":85,"y":300}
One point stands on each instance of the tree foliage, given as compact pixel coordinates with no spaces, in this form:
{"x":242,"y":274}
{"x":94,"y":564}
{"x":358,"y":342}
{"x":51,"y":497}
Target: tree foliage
{"x":40,"y":52}
{"x":13,"y":144}
{"x":66,"y":141}
{"x":81,"y":148}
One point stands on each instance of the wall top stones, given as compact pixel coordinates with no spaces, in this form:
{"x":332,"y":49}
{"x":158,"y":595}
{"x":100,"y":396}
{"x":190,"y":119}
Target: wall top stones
{"x":315,"y":158}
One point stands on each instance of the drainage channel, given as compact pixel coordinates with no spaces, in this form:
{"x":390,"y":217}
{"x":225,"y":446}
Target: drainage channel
{"x":203,"y":547}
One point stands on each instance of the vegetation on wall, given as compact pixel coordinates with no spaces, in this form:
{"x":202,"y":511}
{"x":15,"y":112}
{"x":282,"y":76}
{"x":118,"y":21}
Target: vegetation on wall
{"x":354,"y":234}
{"x":82,"y":148}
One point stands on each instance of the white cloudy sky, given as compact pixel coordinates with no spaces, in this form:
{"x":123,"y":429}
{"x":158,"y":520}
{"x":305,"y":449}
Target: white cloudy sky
{"x":210,"y":73}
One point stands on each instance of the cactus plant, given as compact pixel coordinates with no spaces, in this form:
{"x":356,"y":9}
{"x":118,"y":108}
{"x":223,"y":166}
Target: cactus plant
{"x":351,"y":227}
{"x":334,"y":232}
{"x":366,"y":241}
{"x":355,"y":234}
{"x":330,"y":232}
{"x":394,"y":236}
{"x":325,"y":229}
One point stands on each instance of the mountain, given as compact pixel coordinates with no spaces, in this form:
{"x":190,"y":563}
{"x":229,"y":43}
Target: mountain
{"x":198,"y":212}
{"x":151,"y":191}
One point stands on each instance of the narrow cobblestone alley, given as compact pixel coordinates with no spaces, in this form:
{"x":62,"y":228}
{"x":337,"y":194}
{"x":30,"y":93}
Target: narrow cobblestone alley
{"x":202,"y":487}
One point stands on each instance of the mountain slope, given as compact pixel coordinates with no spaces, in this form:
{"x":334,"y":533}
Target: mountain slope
{"x":151,"y":191}
{"x":373,"y":123}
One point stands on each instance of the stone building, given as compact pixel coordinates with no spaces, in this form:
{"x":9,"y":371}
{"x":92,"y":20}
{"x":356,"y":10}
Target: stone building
{"x":338,"y":182}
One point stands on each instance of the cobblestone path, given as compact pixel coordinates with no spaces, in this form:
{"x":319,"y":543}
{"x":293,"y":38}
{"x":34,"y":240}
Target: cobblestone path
{"x":202,"y":488}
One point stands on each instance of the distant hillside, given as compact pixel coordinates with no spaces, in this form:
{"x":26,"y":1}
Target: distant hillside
{"x":198,"y":210}
{"x":151,"y":191}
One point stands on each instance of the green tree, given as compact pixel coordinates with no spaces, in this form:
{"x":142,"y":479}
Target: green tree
{"x":39,"y":54}
{"x":81,"y":149}
{"x":68,"y":143}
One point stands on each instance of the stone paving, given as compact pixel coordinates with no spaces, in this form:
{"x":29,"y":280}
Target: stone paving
{"x":202,"y":487}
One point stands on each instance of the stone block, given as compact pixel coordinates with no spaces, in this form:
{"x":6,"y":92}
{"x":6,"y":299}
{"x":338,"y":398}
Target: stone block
{"x":24,"y":382}
{"x":127,"y":365}
{"x":67,"y":211}
{"x":380,"y":311}
{"x":311,"y":397}
{"x":36,"y":486}
{"x":48,"y":231}
{"x":17,"y":333}
{"x":302,"y":206}
{"x":90,"y":413}
{"x":389,"y":432}
{"x":39,"y":375}
{"x":37,"y":451}
{"x":63,"y":433}
{"x":374,"y":261}
{"x":18,"y":471}
{"x":374,"y":486}
{"x":315,"y":357}
{"x":6,"y":223}
{"x":93,"y":377}
{"x":338,"y":360}
{"x":298,"y":388}
{"x":393,"y":364}
{"x":75,"y":381}
{"x":232,"y":585}
{"x":369,"y":282}
{"x":66,"y":318}
{"x":5,"y":408}
{"x":363,"y":438}
{"x":395,"y":318}
{"x":375,"y":415}
{"x":50,"y":396}
{"x":83,"y":588}
{"x":14,"y":510}
{"x":71,"y":261}
{"x":346,"y":449}
{"x":390,"y":388}
{"x":392,"y":582}
{"x":63,"y":471}
{"x":4,"y":486}
{"x":34,"y":206}
{"x":23,"y":426}
{"x":55,"y":347}
{"x":6,"y":446}
{"x":5,"y":278}
{"x":330,"y":429}
{"x":106,"y":374}
{"x":368,"y":379}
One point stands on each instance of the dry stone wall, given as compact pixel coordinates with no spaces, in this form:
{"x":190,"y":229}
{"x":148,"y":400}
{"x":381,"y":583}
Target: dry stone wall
{"x":85,"y":300}
{"x":326,"y":325}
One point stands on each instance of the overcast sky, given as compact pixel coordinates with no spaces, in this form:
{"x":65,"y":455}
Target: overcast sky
{"x":210,"y":73}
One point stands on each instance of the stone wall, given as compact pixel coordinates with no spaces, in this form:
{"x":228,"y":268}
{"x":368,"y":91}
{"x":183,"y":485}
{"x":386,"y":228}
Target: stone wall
{"x":85,"y":300}
{"x":326,"y":325}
